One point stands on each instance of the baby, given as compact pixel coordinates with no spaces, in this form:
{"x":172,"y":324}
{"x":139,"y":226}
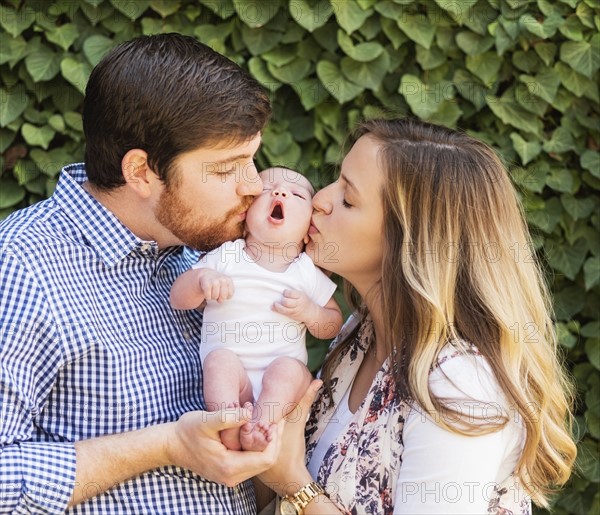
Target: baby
{"x":262,"y":293}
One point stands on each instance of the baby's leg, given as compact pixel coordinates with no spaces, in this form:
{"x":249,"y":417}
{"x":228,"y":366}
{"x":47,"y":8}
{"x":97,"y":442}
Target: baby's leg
{"x":284,"y":383}
{"x":226,"y":385}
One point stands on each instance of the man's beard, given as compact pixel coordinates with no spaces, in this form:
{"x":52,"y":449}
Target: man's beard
{"x":203,"y":235}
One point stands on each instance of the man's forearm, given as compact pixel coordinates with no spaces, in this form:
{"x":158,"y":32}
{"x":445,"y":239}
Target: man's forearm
{"x":108,"y":460}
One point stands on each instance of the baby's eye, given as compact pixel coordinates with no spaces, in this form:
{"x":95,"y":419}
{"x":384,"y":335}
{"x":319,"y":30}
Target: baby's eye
{"x":300,"y":195}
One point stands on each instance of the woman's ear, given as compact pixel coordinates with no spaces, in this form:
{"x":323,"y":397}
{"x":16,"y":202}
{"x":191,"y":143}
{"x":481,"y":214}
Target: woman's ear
{"x":136,"y":172}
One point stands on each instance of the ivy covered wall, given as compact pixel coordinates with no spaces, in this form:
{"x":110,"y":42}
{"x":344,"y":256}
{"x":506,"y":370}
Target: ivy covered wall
{"x":520,"y":74}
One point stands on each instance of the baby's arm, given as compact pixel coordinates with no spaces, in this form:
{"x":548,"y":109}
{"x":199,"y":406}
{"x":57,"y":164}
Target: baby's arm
{"x":321,"y":321}
{"x":195,"y":286}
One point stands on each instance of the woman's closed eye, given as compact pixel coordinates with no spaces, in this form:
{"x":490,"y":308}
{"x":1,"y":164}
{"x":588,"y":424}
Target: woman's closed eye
{"x":345,"y":203}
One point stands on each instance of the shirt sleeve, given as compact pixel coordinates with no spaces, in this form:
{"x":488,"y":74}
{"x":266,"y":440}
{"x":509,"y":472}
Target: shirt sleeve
{"x":217,"y":259}
{"x":443,"y":472}
{"x":322,"y":286}
{"x":35,"y":477}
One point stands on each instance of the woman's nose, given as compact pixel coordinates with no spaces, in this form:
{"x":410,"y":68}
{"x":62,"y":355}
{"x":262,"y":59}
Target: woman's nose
{"x":321,"y":201}
{"x":277,"y":192}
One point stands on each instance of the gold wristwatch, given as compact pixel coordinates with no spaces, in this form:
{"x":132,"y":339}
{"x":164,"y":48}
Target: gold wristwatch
{"x":295,"y":504}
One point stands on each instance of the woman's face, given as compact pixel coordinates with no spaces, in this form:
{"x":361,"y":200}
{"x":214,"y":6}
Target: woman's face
{"x":347,"y":225}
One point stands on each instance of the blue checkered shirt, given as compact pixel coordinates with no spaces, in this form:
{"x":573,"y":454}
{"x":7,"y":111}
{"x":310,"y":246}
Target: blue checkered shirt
{"x":89,"y":346}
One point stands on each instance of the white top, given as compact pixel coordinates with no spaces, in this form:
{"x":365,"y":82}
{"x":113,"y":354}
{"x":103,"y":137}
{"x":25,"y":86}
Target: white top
{"x":444,"y":472}
{"x":246,"y":323}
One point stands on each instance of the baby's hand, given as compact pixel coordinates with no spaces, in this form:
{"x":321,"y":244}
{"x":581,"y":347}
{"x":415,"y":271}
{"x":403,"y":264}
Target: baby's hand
{"x":215,"y":286}
{"x":295,"y":304}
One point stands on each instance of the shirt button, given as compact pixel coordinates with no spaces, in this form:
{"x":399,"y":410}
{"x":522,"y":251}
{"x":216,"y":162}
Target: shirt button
{"x":145,"y":247}
{"x":187,"y":336}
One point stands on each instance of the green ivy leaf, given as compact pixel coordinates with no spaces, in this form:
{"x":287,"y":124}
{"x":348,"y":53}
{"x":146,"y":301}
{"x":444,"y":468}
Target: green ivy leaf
{"x":12,"y":104}
{"x":15,"y":21}
{"x":258,"y":69}
{"x":281,"y":55}
{"x":63,"y":36}
{"x":582,"y":56}
{"x":165,"y":7}
{"x":485,"y":66}
{"x":430,"y":59}
{"x":561,"y":141}
{"x":76,"y":72}
{"x":418,"y":29}
{"x":340,"y":88}
{"x":260,"y":40}
{"x":545,"y":29}
{"x":255,"y":14}
{"x":546,"y":51}
{"x":592,"y":329}
{"x":50,"y":163}
{"x":532,"y":178}
{"x":368,"y":75}
{"x":473,"y":44}
{"x":13,"y":49}
{"x":25,"y":171}
{"x":560,"y":179}
{"x":311,"y":92}
{"x":590,"y":160}
{"x":133,"y":10}
{"x":577,"y":207}
{"x":568,"y":302}
{"x":573,"y":81}
{"x":527,"y":150}
{"x":567,"y":259}
{"x":95,"y":47}
{"x":10,"y":193}
{"x":544,"y":85}
{"x":43,"y":64}
{"x":350,"y":16}
{"x":459,"y":11}
{"x":566,"y":339}
{"x":512,"y":114}
{"x":310,"y":15}
{"x":290,"y":73}
{"x":363,"y":52}
{"x":546,"y":217}
{"x":419,"y":97}
{"x":447,"y":114}
{"x":37,"y":136}
{"x":591,"y":272}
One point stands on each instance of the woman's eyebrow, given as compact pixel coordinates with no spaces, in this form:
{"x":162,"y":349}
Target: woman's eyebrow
{"x":350,"y":183}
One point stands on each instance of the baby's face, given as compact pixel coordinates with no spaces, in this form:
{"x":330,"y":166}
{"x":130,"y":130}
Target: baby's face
{"x":281,"y":213}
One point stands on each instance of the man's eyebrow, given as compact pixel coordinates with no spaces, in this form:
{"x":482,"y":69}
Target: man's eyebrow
{"x":350,"y":183}
{"x":234,"y":158}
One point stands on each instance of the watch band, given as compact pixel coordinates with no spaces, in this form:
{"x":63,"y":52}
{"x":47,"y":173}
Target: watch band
{"x":303,"y":496}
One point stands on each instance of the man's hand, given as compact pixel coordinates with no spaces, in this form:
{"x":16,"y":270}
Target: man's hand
{"x":195,"y":444}
{"x":215,"y":286}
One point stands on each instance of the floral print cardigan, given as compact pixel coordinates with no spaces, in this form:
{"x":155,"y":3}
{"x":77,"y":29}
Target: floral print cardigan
{"x":360,"y":470}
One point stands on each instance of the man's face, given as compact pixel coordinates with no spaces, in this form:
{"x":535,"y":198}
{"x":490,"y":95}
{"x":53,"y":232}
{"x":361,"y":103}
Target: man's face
{"x":210,"y":191}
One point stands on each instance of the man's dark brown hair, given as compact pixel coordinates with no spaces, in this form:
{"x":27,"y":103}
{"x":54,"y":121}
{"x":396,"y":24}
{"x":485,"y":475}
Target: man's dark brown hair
{"x":166,"y":94}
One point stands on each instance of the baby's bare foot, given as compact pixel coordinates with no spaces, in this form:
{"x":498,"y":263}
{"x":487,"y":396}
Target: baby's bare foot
{"x":256,"y":437}
{"x":231,"y":437}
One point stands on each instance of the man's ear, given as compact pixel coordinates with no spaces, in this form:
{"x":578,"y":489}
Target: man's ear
{"x":137,"y":173}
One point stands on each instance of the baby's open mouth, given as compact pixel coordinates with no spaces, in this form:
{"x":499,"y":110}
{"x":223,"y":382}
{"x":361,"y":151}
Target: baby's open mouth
{"x":277,"y":212}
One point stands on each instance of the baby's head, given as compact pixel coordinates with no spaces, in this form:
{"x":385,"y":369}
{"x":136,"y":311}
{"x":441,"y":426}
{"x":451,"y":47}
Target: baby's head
{"x":281,"y":214}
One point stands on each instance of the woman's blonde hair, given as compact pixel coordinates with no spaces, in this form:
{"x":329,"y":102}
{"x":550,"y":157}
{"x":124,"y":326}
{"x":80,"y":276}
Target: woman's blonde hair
{"x":458,"y":266}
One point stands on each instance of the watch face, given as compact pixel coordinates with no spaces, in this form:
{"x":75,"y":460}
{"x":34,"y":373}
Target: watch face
{"x":287,"y":508}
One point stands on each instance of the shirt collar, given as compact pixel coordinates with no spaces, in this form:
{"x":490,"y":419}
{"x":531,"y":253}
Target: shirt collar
{"x":103,"y":231}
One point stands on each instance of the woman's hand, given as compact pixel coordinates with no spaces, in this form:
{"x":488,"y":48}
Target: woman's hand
{"x":289,"y":473}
